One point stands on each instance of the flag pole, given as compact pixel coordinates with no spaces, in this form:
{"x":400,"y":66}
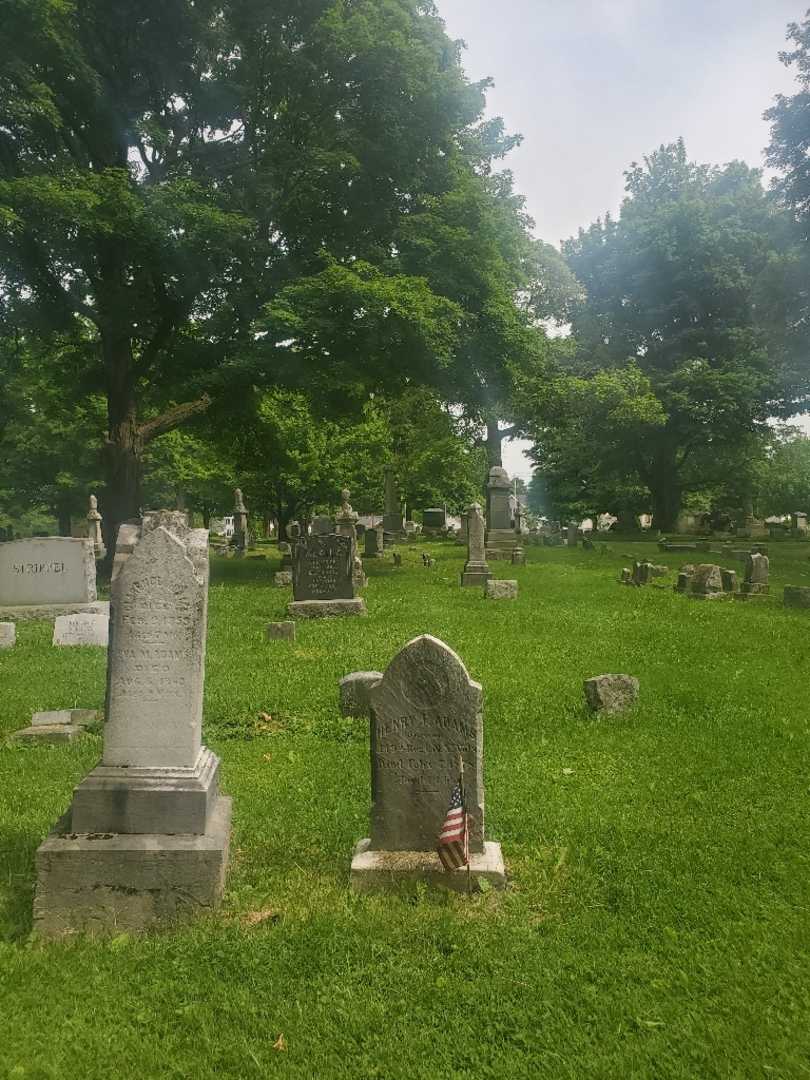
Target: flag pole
{"x":466,"y":820}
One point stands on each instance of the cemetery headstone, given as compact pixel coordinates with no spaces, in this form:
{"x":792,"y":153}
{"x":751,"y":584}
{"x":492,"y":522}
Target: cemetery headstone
{"x":61,"y":726}
{"x":476,"y":571}
{"x":283,"y":579}
{"x":45,"y":577}
{"x":757,"y":573}
{"x":323,"y":578}
{"x":346,"y":525}
{"x":426,"y":720}
{"x":280,"y":631}
{"x":374,"y":543}
{"x":146,"y":838}
{"x":8,"y":635}
{"x":81,"y":629}
{"x":572,"y":535}
{"x":240,"y":524}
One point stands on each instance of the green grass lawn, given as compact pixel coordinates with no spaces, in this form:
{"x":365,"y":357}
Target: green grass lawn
{"x":656,"y":924}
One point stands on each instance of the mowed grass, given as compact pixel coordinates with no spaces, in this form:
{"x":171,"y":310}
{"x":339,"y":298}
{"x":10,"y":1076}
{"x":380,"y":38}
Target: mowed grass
{"x":656,"y":924}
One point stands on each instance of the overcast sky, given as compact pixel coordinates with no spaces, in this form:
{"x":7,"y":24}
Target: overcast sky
{"x":593,"y":85}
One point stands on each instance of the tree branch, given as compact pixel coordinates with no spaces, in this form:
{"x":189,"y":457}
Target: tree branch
{"x":172,"y":418}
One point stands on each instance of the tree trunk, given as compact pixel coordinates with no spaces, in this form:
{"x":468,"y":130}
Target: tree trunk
{"x":666,"y":497}
{"x":63,"y":516}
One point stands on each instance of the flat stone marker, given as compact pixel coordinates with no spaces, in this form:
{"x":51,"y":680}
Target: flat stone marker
{"x":354,"y":692}
{"x":611,"y":693}
{"x":501,"y":590}
{"x":280,"y":631}
{"x":47,"y":576}
{"x":283,"y":579}
{"x":426,"y":714}
{"x":146,"y":838}
{"x":8,"y":635}
{"x":81,"y":629}
{"x":60,"y":726}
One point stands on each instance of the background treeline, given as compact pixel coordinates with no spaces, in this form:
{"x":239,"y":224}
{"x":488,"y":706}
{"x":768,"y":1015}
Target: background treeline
{"x":273,"y":243}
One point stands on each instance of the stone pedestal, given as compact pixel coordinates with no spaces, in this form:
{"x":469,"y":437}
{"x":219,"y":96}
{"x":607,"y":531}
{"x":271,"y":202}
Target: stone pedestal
{"x":109,"y":883}
{"x":325,"y":609}
{"x":392,"y":511}
{"x":146,"y":837}
{"x":372,"y":870}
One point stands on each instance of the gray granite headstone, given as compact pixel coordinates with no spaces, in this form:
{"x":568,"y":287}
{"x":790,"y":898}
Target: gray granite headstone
{"x":8,"y":635}
{"x":47,"y":570}
{"x":499,"y":513}
{"x":322,"y":568}
{"x":426,"y":714}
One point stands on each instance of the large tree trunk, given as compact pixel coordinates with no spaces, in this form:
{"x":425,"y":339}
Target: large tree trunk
{"x":63,"y":516}
{"x":666,"y":496}
{"x":123,"y":449}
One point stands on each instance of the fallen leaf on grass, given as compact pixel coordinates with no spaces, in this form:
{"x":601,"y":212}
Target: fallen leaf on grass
{"x":280,"y":1043}
{"x":256,"y":918}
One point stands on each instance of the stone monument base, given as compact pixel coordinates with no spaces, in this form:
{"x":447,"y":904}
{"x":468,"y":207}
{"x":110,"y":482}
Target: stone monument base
{"x":147,"y":800}
{"x":104,"y":883}
{"x":389,"y":869}
{"x":475,"y":577}
{"x":51,"y":611}
{"x":710,"y":595}
{"x":325,"y":609}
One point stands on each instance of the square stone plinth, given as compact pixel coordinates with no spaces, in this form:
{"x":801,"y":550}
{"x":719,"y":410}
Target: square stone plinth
{"x":143,"y":800}
{"x":475,"y":577}
{"x":102,"y":883}
{"x":373,"y":870}
{"x":326,"y":609}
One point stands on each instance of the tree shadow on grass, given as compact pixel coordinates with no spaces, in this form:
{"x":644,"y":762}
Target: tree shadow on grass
{"x":17,"y":880}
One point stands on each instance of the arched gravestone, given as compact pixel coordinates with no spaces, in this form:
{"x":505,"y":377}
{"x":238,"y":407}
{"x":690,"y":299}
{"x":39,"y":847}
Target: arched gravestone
{"x":426,"y":717}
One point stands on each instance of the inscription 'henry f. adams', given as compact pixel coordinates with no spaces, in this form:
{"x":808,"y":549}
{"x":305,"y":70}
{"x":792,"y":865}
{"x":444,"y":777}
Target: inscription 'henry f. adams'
{"x":426,"y":715}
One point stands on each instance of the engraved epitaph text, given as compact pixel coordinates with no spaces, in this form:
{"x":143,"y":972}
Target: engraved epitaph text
{"x":156,"y":657}
{"x":322,"y":568}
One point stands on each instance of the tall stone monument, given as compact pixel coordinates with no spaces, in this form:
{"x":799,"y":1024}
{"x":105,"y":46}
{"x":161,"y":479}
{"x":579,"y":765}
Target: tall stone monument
{"x":94,"y":528}
{"x":346,"y":525}
{"x":146,"y":837}
{"x":240,"y":525}
{"x":501,"y":537}
{"x":392,"y":507}
{"x":476,"y":571}
{"x":426,"y":722}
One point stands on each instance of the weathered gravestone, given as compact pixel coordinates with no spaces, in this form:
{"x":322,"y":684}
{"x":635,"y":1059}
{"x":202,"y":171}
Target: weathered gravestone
{"x":146,"y":838}
{"x":94,"y":534}
{"x":426,"y":720}
{"x":323,"y":578}
{"x":796,"y":596}
{"x":374,"y":543}
{"x":46,"y":577}
{"x":757,"y":571}
{"x":60,"y":726}
{"x":81,"y":629}
{"x":392,"y":508}
{"x":476,"y":571}
{"x":8,"y":635}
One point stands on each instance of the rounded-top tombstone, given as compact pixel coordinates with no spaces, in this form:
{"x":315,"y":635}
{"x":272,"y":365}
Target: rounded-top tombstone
{"x":426,"y":718}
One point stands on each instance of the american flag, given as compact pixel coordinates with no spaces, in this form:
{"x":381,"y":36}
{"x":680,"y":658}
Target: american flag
{"x":453,"y":843}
